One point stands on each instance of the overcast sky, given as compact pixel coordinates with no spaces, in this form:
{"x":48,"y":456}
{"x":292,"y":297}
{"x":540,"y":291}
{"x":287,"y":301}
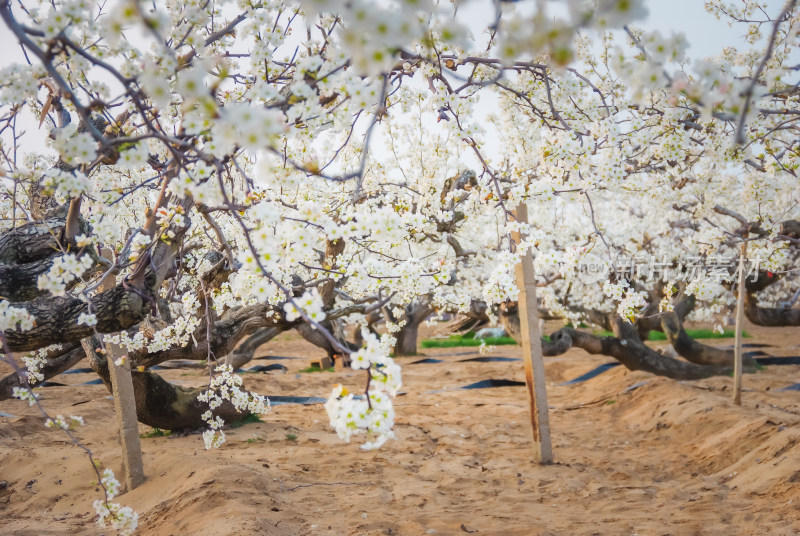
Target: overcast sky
{"x":707,"y":36}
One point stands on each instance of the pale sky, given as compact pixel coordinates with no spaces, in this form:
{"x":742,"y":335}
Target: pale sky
{"x":706,"y":35}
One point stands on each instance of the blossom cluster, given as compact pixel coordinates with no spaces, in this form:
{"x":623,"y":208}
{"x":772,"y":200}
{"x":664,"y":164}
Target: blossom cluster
{"x":123,"y":519}
{"x":311,"y":305}
{"x":62,"y":423}
{"x":226,"y":386}
{"x":73,"y":146}
{"x":25,"y":394}
{"x":630,"y":301}
{"x":373,"y":413}
{"x":65,"y":184}
{"x":64,"y":270}
{"x":13,"y":318}
{"x":35,"y":361}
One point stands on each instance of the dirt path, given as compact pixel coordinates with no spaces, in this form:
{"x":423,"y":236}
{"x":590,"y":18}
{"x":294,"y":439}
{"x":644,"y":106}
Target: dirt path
{"x":635,"y":454}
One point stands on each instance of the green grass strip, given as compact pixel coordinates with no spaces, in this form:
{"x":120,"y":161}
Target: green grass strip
{"x":155,"y":432}
{"x":693,"y":333}
{"x":460,"y":341}
{"x":468,"y":339}
{"x":251,"y":418}
{"x":316,"y":369}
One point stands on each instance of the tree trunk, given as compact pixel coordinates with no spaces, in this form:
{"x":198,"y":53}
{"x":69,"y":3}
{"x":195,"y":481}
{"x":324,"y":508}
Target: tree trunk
{"x":32,"y":241}
{"x":651,"y":318}
{"x":509,"y":317}
{"x":333,"y":248}
{"x":161,"y":404}
{"x":406,"y":344}
{"x":57,"y":362}
{"x":57,"y":318}
{"x":634,"y":354}
{"x":244,"y":353}
{"x":769,"y":316}
{"x":694,"y":351}
{"x":226,"y":332}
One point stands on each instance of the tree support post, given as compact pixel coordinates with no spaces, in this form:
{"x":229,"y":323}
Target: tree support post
{"x":125,"y":408}
{"x":128,"y":423}
{"x":532,"y":348}
{"x":737,"y":357}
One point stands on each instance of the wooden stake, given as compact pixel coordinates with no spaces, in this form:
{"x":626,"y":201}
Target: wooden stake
{"x":125,"y":408}
{"x":127,"y":422}
{"x":737,"y":358}
{"x":532,"y":350}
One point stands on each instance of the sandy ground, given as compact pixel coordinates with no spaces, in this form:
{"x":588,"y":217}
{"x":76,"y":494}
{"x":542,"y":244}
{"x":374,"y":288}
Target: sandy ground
{"x":663,"y":458}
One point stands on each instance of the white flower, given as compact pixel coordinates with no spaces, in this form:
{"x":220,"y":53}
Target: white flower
{"x":65,"y":270}
{"x":87,"y":319}
{"x":155,"y":82}
{"x":310,"y":303}
{"x":13,"y":318}
{"x":24,"y":394}
{"x":110,"y":514}
{"x":191,"y":83}
{"x":225,"y":385}
{"x":75,"y":147}
{"x":618,"y":13}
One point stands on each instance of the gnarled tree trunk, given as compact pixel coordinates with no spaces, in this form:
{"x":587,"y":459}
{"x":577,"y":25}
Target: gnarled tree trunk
{"x":769,"y":316}
{"x":244,"y":353}
{"x":56,"y":362}
{"x":694,"y":351}
{"x":406,"y":344}
{"x":56,"y":317}
{"x":164,"y":405}
{"x":509,"y":317}
{"x":634,"y":354}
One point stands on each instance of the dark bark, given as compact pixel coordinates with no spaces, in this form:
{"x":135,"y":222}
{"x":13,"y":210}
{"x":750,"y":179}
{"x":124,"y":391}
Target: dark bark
{"x":373,"y":318}
{"x":333,"y":248}
{"x":769,"y":316}
{"x":19,"y":283}
{"x":56,"y":317}
{"x":33,"y":241}
{"x":27,"y":251}
{"x":791,"y":229}
{"x":406,"y":344}
{"x":651,"y":318}
{"x":509,"y":317}
{"x":164,"y":405}
{"x":244,"y":353}
{"x":226,"y":333}
{"x":315,"y":337}
{"x":57,"y":361}
{"x":635,"y":355}
{"x":694,"y":351}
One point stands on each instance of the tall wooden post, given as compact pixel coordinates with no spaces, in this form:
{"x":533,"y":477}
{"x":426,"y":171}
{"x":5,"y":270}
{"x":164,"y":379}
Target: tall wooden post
{"x":737,"y":356}
{"x":127,"y":422}
{"x":125,"y":408}
{"x":532,"y":349}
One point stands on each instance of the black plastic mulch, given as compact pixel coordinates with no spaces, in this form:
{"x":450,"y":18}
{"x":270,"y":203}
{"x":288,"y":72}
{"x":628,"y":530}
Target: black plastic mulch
{"x":267,"y":368}
{"x":481,"y":359}
{"x":426,"y":361}
{"x":592,"y":373}
{"x":772,"y":360}
{"x":490,"y":359}
{"x":303,"y":400}
{"x":487,"y":384}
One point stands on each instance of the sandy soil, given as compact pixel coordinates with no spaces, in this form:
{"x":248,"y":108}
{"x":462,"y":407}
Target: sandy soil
{"x":663,"y":458}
